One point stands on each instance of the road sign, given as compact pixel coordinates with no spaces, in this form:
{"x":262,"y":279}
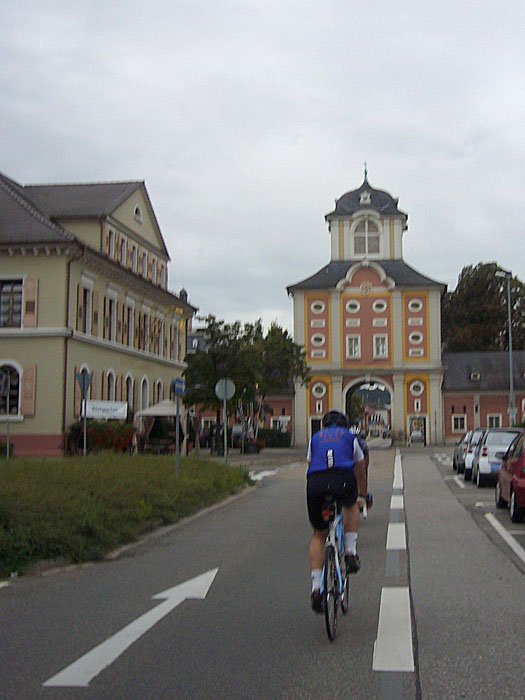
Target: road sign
{"x":84,"y":381}
{"x":178,"y":386}
{"x":224,"y":389}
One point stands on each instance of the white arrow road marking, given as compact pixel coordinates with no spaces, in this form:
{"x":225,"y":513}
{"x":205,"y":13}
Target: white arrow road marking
{"x":260,"y":475}
{"x":82,"y":671}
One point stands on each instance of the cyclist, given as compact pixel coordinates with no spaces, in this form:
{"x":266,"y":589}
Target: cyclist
{"x":336,"y":466}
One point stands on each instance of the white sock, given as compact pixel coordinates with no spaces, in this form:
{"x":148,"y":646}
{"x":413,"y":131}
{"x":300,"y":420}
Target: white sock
{"x":316,"y":579}
{"x":351,"y":542}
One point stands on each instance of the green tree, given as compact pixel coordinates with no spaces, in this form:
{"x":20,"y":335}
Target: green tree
{"x":474,"y":317}
{"x":258,"y":365}
{"x":355,"y":408}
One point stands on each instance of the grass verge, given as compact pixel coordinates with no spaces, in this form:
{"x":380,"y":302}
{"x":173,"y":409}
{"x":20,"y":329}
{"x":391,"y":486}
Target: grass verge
{"x":79,"y":509}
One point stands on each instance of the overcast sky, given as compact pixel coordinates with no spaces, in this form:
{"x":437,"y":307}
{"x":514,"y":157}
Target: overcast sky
{"x":247,"y":118}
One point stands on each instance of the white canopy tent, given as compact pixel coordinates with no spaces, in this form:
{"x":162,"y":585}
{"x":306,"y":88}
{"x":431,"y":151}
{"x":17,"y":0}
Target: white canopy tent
{"x":144,"y":419}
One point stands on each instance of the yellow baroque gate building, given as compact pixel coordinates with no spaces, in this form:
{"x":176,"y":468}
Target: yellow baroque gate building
{"x":367,"y":317}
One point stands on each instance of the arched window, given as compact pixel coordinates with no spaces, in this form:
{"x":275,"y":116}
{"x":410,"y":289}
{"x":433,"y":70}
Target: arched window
{"x":129,"y":393}
{"x":9,"y":390}
{"x":144,"y":394}
{"x":366,"y":238}
{"x":111,"y":386}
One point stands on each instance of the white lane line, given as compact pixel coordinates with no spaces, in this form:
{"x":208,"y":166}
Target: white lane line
{"x":397,"y":503}
{"x":393,"y":646}
{"x":396,"y":536}
{"x":398,"y":471}
{"x":484,"y":504}
{"x":509,"y":539}
{"x":459,"y":482}
{"x":4,"y":584}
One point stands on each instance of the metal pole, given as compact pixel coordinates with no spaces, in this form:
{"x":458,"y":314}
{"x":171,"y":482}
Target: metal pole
{"x":85,"y":425}
{"x":225,"y":428}
{"x":177,"y":426}
{"x":512,"y":409}
{"x":7,"y":413}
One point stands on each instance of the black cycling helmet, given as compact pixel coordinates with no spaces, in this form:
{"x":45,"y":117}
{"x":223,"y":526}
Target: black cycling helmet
{"x":335,"y":418}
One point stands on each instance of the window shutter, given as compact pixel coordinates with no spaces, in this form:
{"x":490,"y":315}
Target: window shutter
{"x":104,"y":387}
{"x":30,"y":302}
{"x":94,"y":386}
{"x":80,"y":310}
{"x":77,"y":397}
{"x":118,"y":334}
{"x":27,"y":404}
{"x":94,"y":314}
{"x":118,"y":388}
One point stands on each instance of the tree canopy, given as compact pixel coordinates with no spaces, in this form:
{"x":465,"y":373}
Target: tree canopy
{"x":258,"y":364}
{"x":474,"y":317}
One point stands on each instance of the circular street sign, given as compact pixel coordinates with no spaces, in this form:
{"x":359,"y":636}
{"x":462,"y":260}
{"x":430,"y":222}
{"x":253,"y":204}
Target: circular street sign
{"x":224,"y":389}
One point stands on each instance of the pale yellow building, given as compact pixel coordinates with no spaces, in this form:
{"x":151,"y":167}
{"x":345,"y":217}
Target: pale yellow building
{"x":83,"y":287}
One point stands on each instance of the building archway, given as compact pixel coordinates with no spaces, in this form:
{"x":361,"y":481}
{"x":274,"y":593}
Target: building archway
{"x":376,"y":405}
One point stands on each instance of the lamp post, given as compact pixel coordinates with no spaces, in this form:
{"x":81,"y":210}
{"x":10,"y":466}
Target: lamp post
{"x":512,"y":409}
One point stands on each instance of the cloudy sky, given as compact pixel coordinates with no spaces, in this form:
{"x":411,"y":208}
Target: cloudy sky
{"x":247,"y":118}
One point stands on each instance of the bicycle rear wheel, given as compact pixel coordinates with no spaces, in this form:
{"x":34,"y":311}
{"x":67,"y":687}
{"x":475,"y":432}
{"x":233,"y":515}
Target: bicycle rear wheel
{"x":330,"y":592}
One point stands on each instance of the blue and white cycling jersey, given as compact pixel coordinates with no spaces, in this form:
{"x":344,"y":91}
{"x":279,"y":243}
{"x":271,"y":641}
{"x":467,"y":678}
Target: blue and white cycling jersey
{"x":333,"y":447}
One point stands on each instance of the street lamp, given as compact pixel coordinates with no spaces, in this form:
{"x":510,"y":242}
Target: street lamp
{"x":512,"y":409}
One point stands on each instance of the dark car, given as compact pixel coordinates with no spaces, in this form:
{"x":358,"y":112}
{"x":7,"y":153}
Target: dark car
{"x":460,"y":450}
{"x":510,"y":487}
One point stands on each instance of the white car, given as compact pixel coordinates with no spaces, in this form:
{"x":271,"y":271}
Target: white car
{"x":485,"y":465}
{"x":474,"y":441}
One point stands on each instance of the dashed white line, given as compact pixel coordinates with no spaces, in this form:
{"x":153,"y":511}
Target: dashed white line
{"x":397,"y":503}
{"x":459,"y":482}
{"x":261,"y":475}
{"x":393,"y":646}
{"x":396,"y":536}
{"x":398,"y":472}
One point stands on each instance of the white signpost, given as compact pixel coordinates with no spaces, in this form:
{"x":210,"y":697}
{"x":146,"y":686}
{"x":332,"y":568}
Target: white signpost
{"x":106,"y":410}
{"x":225,"y":389}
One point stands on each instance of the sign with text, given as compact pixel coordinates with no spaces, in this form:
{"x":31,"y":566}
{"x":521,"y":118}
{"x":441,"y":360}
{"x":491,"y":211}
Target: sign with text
{"x":107,"y":410}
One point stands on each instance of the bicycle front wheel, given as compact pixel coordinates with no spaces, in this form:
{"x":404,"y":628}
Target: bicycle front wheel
{"x":330,"y":592}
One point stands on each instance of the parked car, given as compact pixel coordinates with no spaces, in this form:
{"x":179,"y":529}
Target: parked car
{"x":460,"y":450}
{"x":486,"y":464}
{"x":416,"y":436}
{"x":473,"y":443}
{"x":510,"y":487}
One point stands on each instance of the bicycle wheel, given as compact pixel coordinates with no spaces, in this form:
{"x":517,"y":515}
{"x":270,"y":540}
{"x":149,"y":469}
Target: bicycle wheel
{"x":330,"y":592}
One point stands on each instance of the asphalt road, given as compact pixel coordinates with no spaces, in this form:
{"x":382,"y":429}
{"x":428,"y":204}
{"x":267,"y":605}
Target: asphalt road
{"x":253,"y":635}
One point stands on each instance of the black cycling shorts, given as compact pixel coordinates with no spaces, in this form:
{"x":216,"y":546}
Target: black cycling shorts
{"x":340,"y":483}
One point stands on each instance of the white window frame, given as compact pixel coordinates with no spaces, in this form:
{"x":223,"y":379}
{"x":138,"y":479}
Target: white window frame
{"x":383,"y":355}
{"x":367,"y":235}
{"x":353,"y":306}
{"x":317,"y":307}
{"x":495,"y":419}
{"x":415,"y":305}
{"x":459,"y":422}
{"x":318,"y":339}
{"x":350,"y":340}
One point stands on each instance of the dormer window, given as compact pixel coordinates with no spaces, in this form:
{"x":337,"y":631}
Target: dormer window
{"x":138,"y":214}
{"x":364,"y":198}
{"x":366,"y":238}
{"x":475,"y":376}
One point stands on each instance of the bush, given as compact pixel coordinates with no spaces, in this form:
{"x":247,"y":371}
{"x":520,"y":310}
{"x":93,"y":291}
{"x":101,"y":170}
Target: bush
{"x":100,"y":435}
{"x":3,"y":449}
{"x":274,"y":438}
{"x":80,"y":508}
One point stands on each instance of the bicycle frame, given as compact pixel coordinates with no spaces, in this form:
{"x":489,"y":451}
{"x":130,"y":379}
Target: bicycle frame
{"x":337,"y":591}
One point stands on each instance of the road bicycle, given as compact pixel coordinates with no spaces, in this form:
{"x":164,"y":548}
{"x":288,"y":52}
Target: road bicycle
{"x":335,"y":583}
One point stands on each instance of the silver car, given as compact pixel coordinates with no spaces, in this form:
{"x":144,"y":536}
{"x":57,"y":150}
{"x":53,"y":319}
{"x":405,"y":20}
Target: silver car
{"x":485,"y":466}
{"x":474,"y":440}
